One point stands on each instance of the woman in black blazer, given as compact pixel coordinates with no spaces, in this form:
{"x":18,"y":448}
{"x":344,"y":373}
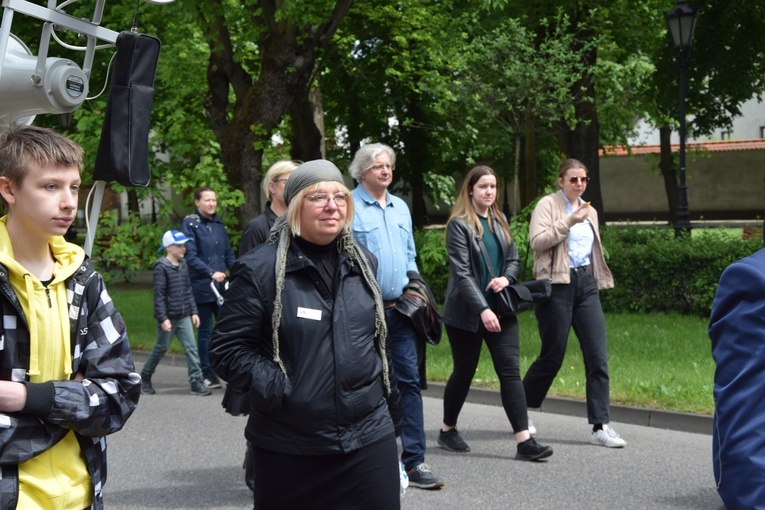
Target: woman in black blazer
{"x":480,"y":247}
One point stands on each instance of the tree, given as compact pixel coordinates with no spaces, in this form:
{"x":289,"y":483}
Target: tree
{"x":262,"y":58}
{"x":728,"y":68}
{"x":511,"y":88}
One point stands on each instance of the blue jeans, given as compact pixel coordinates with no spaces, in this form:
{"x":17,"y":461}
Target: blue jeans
{"x":577,"y":305}
{"x":184,"y":330}
{"x":207,"y":313}
{"x":403,"y":342}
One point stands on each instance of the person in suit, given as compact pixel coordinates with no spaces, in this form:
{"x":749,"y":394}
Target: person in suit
{"x":737,"y":332}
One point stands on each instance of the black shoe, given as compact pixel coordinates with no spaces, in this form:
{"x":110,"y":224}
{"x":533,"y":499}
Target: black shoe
{"x":199,"y":388}
{"x":531,"y":450}
{"x":452,"y":441}
{"x":146,"y":388}
{"x":421,"y":477}
{"x":211,"y":381}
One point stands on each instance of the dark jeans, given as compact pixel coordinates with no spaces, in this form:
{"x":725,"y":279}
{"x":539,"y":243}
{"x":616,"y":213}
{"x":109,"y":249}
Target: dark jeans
{"x":505,"y":354}
{"x":403,"y":342}
{"x":207,"y":314}
{"x":577,"y":305}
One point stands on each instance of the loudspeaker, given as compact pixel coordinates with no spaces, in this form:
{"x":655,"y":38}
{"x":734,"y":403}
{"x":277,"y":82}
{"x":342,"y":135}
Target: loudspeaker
{"x":60,"y":87}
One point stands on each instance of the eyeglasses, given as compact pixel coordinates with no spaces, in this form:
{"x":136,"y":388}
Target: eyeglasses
{"x":575,"y":180}
{"x":281,"y":179}
{"x":377,"y":168}
{"x":321,"y":200}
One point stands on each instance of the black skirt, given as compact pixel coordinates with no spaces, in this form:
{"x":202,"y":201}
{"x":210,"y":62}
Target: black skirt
{"x":366,"y":479}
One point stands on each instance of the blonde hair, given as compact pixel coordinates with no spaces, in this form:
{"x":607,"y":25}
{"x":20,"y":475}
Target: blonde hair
{"x":295,"y":208}
{"x":275,"y":171}
{"x":463,"y":207}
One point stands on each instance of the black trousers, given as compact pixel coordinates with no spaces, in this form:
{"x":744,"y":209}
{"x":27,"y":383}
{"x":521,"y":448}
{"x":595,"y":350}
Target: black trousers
{"x":577,"y":305}
{"x":505,"y":354}
{"x":366,"y":479}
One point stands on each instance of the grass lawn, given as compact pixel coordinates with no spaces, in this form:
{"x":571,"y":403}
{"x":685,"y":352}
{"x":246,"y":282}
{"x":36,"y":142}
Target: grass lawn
{"x":657,"y":361}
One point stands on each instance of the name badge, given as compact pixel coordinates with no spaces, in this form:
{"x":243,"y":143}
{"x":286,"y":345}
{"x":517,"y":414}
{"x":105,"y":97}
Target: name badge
{"x":309,"y":313}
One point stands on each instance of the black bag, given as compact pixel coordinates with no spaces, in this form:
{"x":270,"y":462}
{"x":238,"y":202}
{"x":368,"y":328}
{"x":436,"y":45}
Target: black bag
{"x":123,"y":150}
{"x":515,"y":299}
{"x":518,"y":298}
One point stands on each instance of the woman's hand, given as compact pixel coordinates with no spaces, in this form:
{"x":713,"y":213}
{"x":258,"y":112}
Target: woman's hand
{"x":498,"y":283}
{"x":490,"y":321}
{"x":581,"y":213}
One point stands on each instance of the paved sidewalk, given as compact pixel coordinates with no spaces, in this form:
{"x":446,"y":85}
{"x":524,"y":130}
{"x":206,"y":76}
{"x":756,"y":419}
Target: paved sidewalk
{"x":646,"y":417}
{"x":180,"y":451}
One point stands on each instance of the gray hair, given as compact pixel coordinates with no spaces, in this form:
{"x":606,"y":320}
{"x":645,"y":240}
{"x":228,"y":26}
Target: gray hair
{"x":365,"y":159}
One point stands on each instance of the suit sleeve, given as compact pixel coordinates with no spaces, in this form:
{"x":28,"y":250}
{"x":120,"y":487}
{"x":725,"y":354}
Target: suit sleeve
{"x":737,"y":332}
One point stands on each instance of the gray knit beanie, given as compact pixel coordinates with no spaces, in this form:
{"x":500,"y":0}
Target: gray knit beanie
{"x":310,"y":172}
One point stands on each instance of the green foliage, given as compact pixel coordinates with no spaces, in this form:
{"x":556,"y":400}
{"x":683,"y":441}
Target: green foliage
{"x":656,"y":272}
{"x":653,"y":271}
{"x":432,"y":259}
{"x":123,"y":250}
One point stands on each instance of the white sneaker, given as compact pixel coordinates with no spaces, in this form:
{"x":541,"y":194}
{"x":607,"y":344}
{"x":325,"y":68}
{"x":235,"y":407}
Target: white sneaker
{"x":532,"y":428}
{"x":608,"y":438}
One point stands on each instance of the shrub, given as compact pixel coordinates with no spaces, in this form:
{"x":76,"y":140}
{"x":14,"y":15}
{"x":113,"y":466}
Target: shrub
{"x":653,"y":270}
{"x":432,"y":260}
{"x":123,"y":250}
{"x":656,"y":272}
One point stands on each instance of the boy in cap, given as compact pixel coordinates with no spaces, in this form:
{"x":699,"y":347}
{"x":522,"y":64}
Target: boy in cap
{"x":175,"y":311}
{"x":66,"y":374}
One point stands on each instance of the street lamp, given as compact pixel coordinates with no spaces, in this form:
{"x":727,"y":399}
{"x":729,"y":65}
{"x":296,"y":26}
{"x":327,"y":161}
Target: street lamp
{"x":682,"y":22}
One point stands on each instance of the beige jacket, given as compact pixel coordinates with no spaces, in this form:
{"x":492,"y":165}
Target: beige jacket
{"x":548,"y":231}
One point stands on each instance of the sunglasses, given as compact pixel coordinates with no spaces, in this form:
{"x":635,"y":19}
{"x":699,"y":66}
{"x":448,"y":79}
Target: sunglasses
{"x":575,"y":180}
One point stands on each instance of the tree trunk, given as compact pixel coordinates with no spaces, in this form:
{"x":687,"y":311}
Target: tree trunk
{"x":583,"y":142}
{"x":531,"y":188}
{"x":418,"y":158}
{"x":667,"y":168}
{"x":517,"y":176}
{"x":287,"y":60}
{"x":307,"y":137}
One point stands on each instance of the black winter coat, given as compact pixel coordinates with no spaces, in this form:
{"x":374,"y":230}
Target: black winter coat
{"x":332,"y":399}
{"x":464,"y":296}
{"x":172,"y":291}
{"x":257,"y":230}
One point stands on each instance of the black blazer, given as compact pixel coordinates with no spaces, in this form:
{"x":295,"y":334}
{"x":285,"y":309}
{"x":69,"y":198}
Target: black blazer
{"x":464,"y":295}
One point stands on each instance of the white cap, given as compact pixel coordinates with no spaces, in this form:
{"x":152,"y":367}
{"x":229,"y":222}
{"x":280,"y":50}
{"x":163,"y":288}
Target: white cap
{"x":174,"y":237}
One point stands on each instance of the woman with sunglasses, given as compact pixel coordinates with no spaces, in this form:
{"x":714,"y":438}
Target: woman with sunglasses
{"x":564,"y":236}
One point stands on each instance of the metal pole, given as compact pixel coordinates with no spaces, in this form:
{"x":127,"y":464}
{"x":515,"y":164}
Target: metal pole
{"x":683,"y":219}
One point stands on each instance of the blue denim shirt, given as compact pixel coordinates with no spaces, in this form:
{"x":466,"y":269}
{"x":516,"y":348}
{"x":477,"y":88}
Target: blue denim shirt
{"x":388,"y":234}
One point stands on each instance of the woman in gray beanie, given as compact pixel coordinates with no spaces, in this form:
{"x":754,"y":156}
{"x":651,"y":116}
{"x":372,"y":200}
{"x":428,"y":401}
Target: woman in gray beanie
{"x":303,"y":331}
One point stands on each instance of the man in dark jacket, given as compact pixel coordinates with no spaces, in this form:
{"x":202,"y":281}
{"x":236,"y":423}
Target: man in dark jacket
{"x":737,"y":330}
{"x":209,"y":255}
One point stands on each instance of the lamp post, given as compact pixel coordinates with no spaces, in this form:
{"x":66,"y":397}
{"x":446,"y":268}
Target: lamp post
{"x":682,"y":22}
